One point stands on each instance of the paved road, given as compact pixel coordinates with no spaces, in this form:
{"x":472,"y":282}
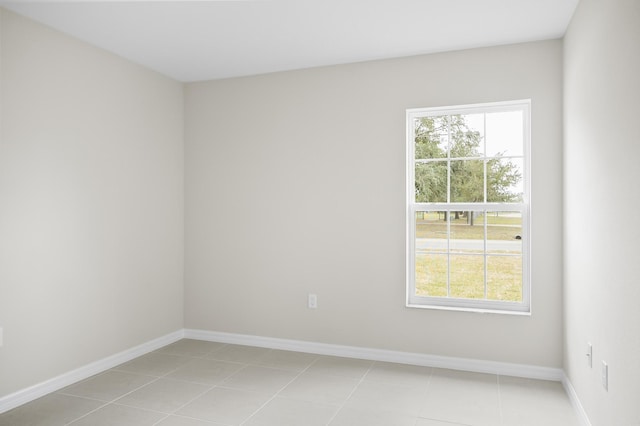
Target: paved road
{"x":424,"y":244}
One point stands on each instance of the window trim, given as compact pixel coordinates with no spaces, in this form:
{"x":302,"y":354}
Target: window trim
{"x":458,"y":304}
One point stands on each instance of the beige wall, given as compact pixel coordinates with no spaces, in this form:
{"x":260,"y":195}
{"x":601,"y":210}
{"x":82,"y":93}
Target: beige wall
{"x":602,"y":89}
{"x":91,"y":204}
{"x":295,"y":184}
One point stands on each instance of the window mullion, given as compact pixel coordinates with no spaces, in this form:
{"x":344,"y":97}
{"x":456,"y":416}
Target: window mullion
{"x":449,"y":212}
{"x":448,"y":162}
{"x":484,"y":152}
{"x":484,"y":253}
{"x":449,"y":254}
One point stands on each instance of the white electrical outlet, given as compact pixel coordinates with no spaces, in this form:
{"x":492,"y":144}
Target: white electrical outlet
{"x":589,"y":355}
{"x":605,"y":375}
{"x":313,"y":301}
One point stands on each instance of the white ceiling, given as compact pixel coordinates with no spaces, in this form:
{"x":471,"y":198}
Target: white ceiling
{"x":201,"y":40}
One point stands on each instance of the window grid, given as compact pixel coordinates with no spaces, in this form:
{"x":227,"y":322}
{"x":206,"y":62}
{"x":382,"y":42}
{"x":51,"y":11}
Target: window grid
{"x":483,"y":208}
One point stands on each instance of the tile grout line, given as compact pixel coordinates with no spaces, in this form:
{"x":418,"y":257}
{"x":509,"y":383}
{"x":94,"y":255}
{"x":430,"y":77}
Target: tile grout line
{"x":155,"y":379}
{"x":197,"y":396}
{"x":113,"y":400}
{"x":500,"y":400}
{"x":456,"y":423}
{"x":419,"y":416}
{"x":90,"y":412}
{"x":167,"y":415}
{"x":281,"y":389}
{"x":352,"y":392}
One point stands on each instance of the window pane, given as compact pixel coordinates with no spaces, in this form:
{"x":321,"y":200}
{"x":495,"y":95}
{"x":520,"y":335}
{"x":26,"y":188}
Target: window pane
{"x":475,"y":124}
{"x":465,"y":140}
{"x":504,"y":232}
{"x":431,"y":274}
{"x":467,"y":276}
{"x":431,"y":231}
{"x":431,"y":182}
{"x":504,"y":180}
{"x":504,"y":278}
{"x":467,"y":232}
{"x":505,"y":134}
{"x":467,"y":181}
{"x":431,"y":137}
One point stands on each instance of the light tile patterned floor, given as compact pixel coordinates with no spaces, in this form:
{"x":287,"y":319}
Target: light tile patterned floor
{"x":197,"y":383}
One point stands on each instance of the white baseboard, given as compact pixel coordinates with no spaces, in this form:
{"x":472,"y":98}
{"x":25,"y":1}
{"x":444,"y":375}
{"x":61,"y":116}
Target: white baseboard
{"x":479,"y":366}
{"x":575,"y":401}
{"x":41,"y":389}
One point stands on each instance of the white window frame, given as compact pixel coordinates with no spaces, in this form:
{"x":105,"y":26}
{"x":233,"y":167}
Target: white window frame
{"x":451,"y":303}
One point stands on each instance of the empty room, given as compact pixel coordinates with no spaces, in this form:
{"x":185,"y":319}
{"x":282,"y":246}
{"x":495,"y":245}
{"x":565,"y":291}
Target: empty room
{"x":392,"y":213}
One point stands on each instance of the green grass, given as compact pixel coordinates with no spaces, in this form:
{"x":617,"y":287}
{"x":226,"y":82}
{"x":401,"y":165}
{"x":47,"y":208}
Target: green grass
{"x":504,"y":277}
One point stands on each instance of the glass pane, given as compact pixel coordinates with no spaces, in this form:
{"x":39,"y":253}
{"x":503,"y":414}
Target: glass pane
{"x":466,"y":141}
{"x":467,"y":232}
{"x":504,"y":232}
{"x":504,"y":180}
{"x":467,"y":276}
{"x":431,"y":137}
{"x":431,"y":182}
{"x":475,"y":125}
{"x":467,"y":181}
{"x":504,"y":278}
{"x":431,"y":231}
{"x":505,"y":134}
{"x":431,"y":274}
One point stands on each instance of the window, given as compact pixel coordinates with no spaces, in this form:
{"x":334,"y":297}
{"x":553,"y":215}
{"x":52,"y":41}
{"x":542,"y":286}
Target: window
{"x":468,"y":207}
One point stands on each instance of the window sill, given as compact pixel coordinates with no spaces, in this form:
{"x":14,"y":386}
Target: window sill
{"x":467,"y":309}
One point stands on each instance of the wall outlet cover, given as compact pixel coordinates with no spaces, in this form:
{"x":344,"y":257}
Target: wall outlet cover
{"x":313,"y":301}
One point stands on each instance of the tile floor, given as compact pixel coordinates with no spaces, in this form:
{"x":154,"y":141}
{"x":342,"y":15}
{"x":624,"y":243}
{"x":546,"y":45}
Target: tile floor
{"x":197,"y":383}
